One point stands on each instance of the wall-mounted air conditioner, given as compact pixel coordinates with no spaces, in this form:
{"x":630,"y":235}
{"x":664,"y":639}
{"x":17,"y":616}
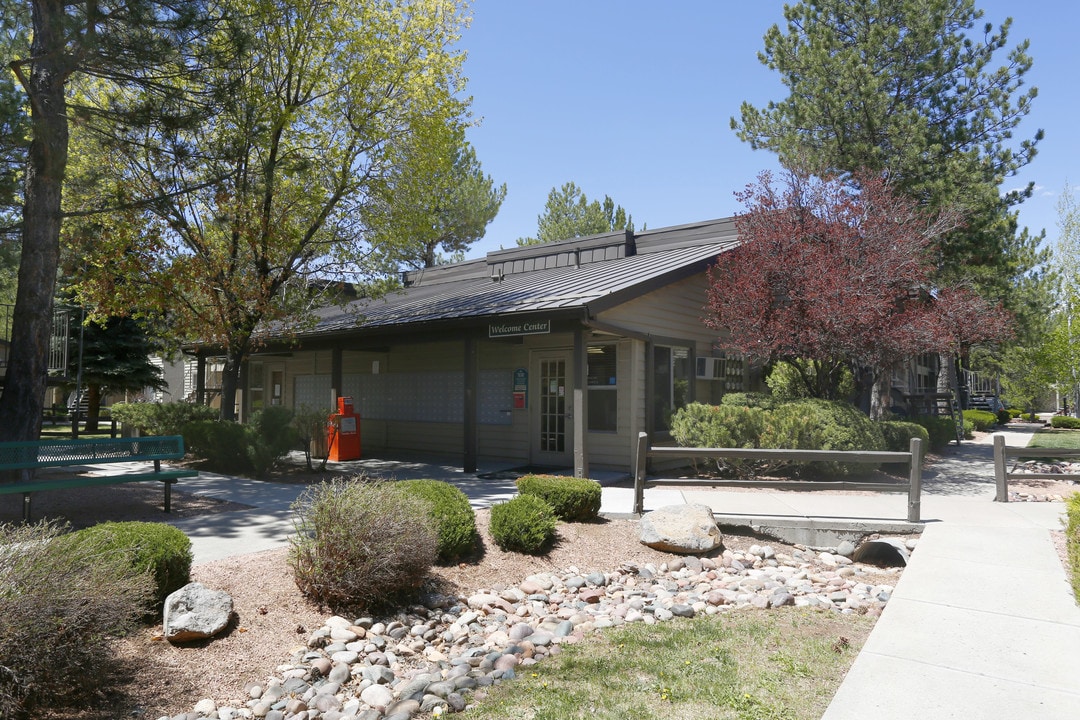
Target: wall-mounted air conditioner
{"x":710,"y":368}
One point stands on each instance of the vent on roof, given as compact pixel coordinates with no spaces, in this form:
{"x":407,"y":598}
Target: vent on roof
{"x":564,"y":253}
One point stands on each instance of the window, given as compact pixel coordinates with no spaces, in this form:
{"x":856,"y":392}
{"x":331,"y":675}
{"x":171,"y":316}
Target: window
{"x":671,"y":383}
{"x":255,"y":385}
{"x":603,"y":388}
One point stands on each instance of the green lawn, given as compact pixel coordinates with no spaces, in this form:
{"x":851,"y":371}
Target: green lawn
{"x":1056,"y":438}
{"x":745,"y":665}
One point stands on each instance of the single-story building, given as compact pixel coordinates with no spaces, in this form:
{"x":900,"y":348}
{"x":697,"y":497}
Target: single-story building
{"x":552,"y":355}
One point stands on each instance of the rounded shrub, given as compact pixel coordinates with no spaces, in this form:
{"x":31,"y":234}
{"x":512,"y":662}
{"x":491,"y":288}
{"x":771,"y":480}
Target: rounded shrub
{"x":572,"y":499}
{"x":523,"y":524}
{"x":982,"y":420}
{"x":898,"y":435}
{"x":942,"y":429}
{"x":764,"y":401}
{"x":1066,"y":422}
{"x":222,"y":444}
{"x":1003,"y":416}
{"x":63,"y":600}
{"x":160,"y":418}
{"x":452,"y":514}
{"x":719,"y":426}
{"x":270,"y":435}
{"x":162,"y":551}
{"x":361,"y":544}
{"x":823,"y":425}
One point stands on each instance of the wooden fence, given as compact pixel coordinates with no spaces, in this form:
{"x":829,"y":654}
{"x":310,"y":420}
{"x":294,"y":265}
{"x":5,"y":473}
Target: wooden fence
{"x":1002,"y":476}
{"x":912,"y":458}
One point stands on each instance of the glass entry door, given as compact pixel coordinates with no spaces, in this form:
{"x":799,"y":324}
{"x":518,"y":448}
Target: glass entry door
{"x":552,"y":410}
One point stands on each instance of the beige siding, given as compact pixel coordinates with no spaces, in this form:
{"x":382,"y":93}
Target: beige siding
{"x":671,"y":312}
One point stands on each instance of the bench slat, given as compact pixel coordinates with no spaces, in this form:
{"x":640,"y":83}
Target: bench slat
{"x":61,"y":453}
{"x":93,"y":481}
{"x":35,"y":454}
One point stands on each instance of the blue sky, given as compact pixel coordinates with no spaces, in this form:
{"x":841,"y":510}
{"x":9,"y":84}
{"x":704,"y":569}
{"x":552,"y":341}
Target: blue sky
{"x":633,"y":101}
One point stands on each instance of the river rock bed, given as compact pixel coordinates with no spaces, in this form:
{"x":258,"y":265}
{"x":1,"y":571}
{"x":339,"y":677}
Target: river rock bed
{"x":439,"y":656}
{"x":1056,"y":490}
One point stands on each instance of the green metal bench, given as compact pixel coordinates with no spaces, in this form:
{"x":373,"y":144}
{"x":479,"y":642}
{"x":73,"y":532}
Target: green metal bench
{"x":28,"y":456}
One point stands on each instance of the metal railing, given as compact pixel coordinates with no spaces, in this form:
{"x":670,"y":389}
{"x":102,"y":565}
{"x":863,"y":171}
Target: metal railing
{"x":913,"y":458}
{"x":58,"y":341}
{"x":1002,"y":476}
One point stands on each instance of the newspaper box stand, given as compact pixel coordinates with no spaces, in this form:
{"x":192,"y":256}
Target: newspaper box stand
{"x":343,"y":432}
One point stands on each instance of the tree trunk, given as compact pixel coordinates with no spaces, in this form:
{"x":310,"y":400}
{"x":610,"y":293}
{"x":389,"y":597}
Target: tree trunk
{"x":881,"y":395}
{"x":93,"y":406}
{"x":22,"y":402}
{"x":230,"y":381}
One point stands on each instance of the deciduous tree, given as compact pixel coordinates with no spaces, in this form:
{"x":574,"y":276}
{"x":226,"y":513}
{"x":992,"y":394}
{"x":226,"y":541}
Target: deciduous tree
{"x":841,"y":275}
{"x":265,"y":204}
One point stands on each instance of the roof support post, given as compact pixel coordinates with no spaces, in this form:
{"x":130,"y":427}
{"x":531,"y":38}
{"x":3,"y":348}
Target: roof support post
{"x":200,"y":379}
{"x":581,"y":403}
{"x":471,"y":383}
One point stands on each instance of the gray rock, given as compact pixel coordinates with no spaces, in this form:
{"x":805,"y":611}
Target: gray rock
{"x":682,"y":610}
{"x":195,"y":612}
{"x":845,"y":548}
{"x":683,"y":529}
{"x":377,"y":696}
{"x":780,"y":599}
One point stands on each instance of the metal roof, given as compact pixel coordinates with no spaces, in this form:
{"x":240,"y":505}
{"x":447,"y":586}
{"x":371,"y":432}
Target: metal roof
{"x":474,"y":290}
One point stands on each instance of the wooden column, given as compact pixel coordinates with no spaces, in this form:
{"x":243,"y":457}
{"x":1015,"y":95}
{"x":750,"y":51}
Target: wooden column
{"x":472,"y":371}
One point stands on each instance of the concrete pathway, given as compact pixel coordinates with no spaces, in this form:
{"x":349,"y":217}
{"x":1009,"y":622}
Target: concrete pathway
{"x":983,"y":623}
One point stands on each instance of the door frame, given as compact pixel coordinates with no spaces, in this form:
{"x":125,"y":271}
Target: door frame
{"x":537,"y":455}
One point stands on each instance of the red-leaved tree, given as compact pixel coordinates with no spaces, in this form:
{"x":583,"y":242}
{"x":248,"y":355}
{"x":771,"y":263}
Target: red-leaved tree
{"x":839,"y":272}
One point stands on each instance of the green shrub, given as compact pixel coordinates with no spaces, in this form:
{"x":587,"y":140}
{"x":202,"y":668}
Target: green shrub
{"x":221,"y":443}
{"x":1003,"y":417}
{"x":62,"y":602}
{"x":155,"y":548}
{"x":898,"y":435}
{"x":161,"y":418}
{"x":764,"y":401}
{"x":452,"y":514}
{"x":270,"y":435}
{"x":361,"y":545}
{"x":1015,"y":412}
{"x":823,"y":425}
{"x":981,"y":420}
{"x":941,"y":428}
{"x":572,"y":499}
{"x":1065,"y":421}
{"x":1072,"y":540}
{"x":724,"y":426}
{"x":524,"y":524}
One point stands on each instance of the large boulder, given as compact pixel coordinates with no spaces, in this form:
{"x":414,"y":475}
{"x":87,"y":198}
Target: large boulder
{"x":683,"y":529}
{"x":195,"y":612}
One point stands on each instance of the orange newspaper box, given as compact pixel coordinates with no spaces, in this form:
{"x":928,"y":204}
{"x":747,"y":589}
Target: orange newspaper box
{"x":343,"y":432}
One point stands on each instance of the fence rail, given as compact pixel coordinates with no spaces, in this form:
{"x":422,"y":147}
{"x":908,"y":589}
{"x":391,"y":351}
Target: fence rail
{"x":912,"y":458}
{"x":1002,"y":476}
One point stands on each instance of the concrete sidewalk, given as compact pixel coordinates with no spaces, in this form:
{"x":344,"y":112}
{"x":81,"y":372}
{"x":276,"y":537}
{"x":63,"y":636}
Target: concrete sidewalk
{"x":982,"y":624}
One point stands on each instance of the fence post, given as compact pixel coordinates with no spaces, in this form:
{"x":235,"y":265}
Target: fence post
{"x":1001,"y":476}
{"x":639,"y":472}
{"x":914,"y":503}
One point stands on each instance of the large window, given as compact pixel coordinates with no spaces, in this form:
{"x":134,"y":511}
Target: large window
{"x":671,"y":383}
{"x":603,"y":388}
